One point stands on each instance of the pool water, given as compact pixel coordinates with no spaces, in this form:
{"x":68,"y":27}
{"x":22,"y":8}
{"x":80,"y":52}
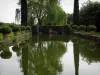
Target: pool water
{"x":49,"y":55}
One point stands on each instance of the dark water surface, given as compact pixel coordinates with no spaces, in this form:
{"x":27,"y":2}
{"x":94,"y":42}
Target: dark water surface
{"x":49,"y":55}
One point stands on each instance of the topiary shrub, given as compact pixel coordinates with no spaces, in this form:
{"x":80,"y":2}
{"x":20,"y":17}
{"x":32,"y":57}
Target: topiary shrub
{"x":28,"y":28}
{"x":92,"y":28}
{"x":15,"y":28}
{"x":82,"y":28}
{"x":6,"y":30}
{"x":74,"y":27}
{"x":11,"y":25}
{"x":23,"y":28}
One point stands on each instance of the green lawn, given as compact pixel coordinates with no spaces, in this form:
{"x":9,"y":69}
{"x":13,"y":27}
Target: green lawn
{"x":88,"y":33}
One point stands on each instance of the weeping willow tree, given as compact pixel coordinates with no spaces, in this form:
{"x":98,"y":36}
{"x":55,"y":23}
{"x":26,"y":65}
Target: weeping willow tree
{"x":55,"y":16}
{"x":45,"y":11}
{"x":41,"y":12}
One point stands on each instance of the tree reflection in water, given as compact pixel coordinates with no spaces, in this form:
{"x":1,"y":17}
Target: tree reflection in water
{"x":4,"y":49}
{"x":90,"y":51}
{"x":42,"y":57}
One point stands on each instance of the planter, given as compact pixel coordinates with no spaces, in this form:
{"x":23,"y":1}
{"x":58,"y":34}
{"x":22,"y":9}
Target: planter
{"x":92,"y":33}
{"x":5,"y":36}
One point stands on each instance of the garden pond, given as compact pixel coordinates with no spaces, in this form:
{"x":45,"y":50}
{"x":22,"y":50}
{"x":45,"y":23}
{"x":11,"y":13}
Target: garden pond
{"x":49,"y":55}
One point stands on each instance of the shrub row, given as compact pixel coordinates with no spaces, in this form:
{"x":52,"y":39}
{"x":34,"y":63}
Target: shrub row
{"x":83,"y":27}
{"x":15,"y":28}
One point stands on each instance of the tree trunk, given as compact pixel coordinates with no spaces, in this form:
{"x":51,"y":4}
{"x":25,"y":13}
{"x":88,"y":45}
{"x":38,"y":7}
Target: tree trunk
{"x":97,"y":18}
{"x":76,"y":12}
{"x":40,"y":21}
{"x":24,"y":12}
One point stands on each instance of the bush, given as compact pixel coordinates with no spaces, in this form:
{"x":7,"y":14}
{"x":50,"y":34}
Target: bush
{"x":28,"y":28}
{"x":92,"y":28}
{"x":75,"y":27}
{"x":23,"y":28}
{"x":82,"y":28}
{"x":6,"y":30}
{"x":15,"y":28}
{"x":0,"y":29}
{"x":11,"y":25}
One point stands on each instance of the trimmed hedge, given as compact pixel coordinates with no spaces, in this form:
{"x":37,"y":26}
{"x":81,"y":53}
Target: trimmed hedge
{"x":15,"y":28}
{"x":75,"y":27}
{"x":92,"y":28}
{"x":28,"y":28}
{"x":23,"y":28}
{"x":5,"y":30}
{"x":82,"y":28}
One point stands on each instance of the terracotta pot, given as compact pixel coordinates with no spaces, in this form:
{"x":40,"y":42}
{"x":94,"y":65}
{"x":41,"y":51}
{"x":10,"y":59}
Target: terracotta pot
{"x":92,"y":33}
{"x":5,"y":36}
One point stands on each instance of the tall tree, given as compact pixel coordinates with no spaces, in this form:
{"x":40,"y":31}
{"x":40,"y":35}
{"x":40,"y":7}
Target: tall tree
{"x":76,"y":12}
{"x":24,"y":12}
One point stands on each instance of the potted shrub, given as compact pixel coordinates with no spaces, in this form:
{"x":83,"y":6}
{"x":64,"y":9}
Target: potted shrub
{"x":75,"y":27}
{"x":5,"y":30}
{"x":15,"y":29}
{"x":92,"y":29}
{"x":28,"y":28}
{"x":23,"y":28}
{"x":82,"y":28}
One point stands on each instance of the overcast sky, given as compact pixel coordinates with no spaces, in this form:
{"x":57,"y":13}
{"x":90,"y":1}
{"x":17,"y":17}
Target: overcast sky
{"x":7,"y":8}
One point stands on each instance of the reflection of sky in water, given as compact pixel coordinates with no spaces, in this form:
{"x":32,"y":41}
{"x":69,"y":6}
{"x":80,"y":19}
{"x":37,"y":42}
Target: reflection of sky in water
{"x":67,"y":60}
{"x":12,"y":66}
{"x":90,"y":69}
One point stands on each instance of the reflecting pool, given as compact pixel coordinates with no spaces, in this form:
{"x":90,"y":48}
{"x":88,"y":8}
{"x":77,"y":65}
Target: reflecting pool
{"x":49,"y":55}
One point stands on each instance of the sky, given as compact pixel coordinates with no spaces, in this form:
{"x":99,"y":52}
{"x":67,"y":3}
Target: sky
{"x":8,"y":7}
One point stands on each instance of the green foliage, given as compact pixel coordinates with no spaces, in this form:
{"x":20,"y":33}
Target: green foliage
{"x":91,"y":27}
{"x":82,"y":27}
{"x":15,"y":28}
{"x":74,"y":27}
{"x":6,"y":55}
{"x":88,"y":12}
{"x":23,"y":28}
{"x":6,"y":30}
{"x":45,"y":11}
{"x":28,"y":28}
{"x":15,"y":48}
{"x":69,"y":18}
{"x":0,"y":29}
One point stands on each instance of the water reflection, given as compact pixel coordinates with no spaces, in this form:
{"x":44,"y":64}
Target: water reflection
{"x":41,"y":55}
{"x":4,"y":49}
{"x":42,"y":58}
{"x":90,"y":51}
